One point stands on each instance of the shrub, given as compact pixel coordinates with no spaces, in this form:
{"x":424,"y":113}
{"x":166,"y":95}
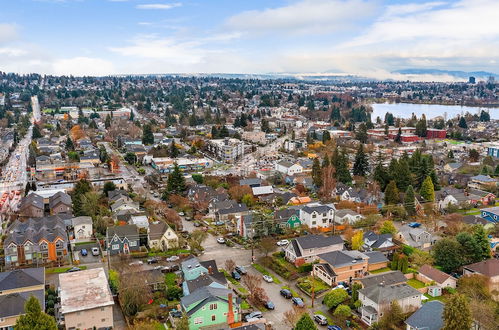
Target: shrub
{"x":305,"y":268}
{"x":343,"y":310}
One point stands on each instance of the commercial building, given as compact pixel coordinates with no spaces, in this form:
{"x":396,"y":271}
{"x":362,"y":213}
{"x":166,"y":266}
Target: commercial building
{"x":227,"y":150}
{"x":433,"y":133}
{"x":166,"y":164}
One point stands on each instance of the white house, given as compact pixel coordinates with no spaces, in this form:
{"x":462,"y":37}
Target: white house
{"x":306,"y":248}
{"x":82,"y":228}
{"x":288,"y":168}
{"x":347,"y":216}
{"x":161,"y":236}
{"x":317,"y":215}
{"x":140,"y":221}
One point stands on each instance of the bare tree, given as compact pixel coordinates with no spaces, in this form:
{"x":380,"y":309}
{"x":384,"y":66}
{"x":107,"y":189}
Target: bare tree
{"x":230,"y":265}
{"x":292,"y":316}
{"x":267,"y":245}
{"x":328,"y":183}
{"x":252,"y":281}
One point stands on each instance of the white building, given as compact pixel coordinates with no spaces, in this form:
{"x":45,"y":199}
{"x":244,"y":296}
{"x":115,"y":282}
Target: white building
{"x":228,"y":150}
{"x":288,"y":168}
{"x":317,"y":215}
{"x":82,"y":228}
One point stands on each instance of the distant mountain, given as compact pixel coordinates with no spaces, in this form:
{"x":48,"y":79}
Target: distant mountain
{"x":458,"y":74}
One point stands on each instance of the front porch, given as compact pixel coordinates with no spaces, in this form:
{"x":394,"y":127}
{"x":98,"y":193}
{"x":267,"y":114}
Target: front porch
{"x":368,"y":315}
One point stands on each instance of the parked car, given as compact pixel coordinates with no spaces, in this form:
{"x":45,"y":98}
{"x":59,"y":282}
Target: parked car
{"x":152,"y":260}
{"x":270,"y":305}
{"x":333,"y":327}
{"x":221,"y":240}
{"x":268,"y":278}
{"x":73,"y":269}
{"x":236,"y":275}
{"x":197,"y":224}
{"x":181,"y":214}
{"x":241,"y":270}
{"x":283,"y":242}
{"x":172,"y":258}
{"x":84,"y":252}
{"x":286,"y":293}
{"x":320,"y":319}
{"x":298,"y":302}
{"x":95,"y":251}
{"x":136,"y":263}
{"x":169,"y":269}
{"x":219,"y":223}
{"x":253,"y":315}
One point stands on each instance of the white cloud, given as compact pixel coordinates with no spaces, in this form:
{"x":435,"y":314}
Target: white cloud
{"x":162,"y":6}
{"x":305,"y":16}
{"x":80,"y":66}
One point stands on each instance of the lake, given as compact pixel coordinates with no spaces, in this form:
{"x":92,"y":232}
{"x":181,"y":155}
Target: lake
{"x":405,"y":110}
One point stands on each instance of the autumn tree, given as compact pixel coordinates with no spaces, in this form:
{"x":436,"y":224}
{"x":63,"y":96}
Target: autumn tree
{"x":457,"y":314}
{"x":267,"y":245}
{"x":428,"y":190}
{"x":133,"y":293}
{"x":291,"y":317}
{"x":237,"y":192}
{"x":387,"y":228}
{"x":357,"y":240}
{"x":230,"y":265}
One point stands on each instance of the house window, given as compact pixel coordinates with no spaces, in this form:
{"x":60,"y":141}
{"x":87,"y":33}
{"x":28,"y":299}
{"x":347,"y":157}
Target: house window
{"x":198,"y":320}
{"x":213,"y":317}
{"x":116,"y":246}
{"x":59,"y":244}
{"x":133,"y":243}
{"x":314,"y":223}
{"x":103,"y":320}
{"x":102,"y":309}
{"x":314,"y":215}
{"x":324,"y":220}
{"x":213,"y":306}
{"x":43,"y":246}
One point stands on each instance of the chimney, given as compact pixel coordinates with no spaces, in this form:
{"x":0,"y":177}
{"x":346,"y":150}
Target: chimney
{"x":210,"y":270}
{"x":230,"y":314}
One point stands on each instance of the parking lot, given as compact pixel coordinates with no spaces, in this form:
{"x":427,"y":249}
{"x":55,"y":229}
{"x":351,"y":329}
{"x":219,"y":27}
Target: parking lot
{"x":89,"y":258}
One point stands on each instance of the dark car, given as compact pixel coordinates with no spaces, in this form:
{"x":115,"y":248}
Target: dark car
{"x":270,"y":305}
{"x":333,"y":327}
{"x":197,"y":224}
{"x":320,"y":319}
{"x":286,"y":293}
{"x":169,"y":269}
{"x":241,"y":270}
{"x":236,"y":275}
{"x":298,"y":302}
{"x":84,"y":252}
{"x":73,"y":269}
{"x":152,"y":261}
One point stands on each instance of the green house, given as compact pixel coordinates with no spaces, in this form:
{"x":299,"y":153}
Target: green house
{"x":287,"y":218}
{"x":208,"y":306}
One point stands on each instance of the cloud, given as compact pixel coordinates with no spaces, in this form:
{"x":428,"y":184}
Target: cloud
{"x":8,"y":32}
{"x":161,"y":6}
{"x":305,"y":16}
{"x":81,"y":66}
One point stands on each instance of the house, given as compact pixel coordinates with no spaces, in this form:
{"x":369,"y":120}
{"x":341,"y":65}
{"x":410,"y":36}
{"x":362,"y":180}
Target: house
{"x":86,"y":300}
{"x":288,"y":168}
{"x":60,"y":202}
{"x":32,"y":206}
{"x":452,"y":167}
{"x":482,"y":182}
{"x":252,"y":182}
{"x":193,"y":268}
{"x":306,"y":248}
{"x":16,"y":287}
{"x":375,"y":300}
{"x":340,"y":266}
{"x":262,"y":191}
{"x":428,"y":274}
{"x":209,"y":306}
{"x":490,"y":214}
{"x":244,"y":226}
{"x":234,"y":211}
{"x":90,"y":157}
{"x":317,"y":215}
{"x":379,"y":242}
{"x":36,"y":241}
{"x":347,"y":216}
{"x":124,"y":203}
{"x":287,"y":218}
{"x":385,"y":278}
{"x":122,"y":239}
{"x":488,"y":268}
{"x":162,"y":237}
{"x":428,"y":317}
{"x":140,"y":221}
{"x":417,"y":237}
{"x":215,"y":280}
{"x":376,"y":260}
{"x":82,"y":228}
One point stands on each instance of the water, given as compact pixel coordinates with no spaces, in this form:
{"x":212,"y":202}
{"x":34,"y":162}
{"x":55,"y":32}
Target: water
{"x":405,"y":110}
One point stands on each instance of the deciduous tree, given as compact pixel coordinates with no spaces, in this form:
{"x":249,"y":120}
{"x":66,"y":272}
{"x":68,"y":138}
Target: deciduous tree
{"x":305,"y":323}
{"x":34,"y":318}
{"x":457,"y":314}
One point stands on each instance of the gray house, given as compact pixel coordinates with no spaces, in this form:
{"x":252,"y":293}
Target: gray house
{"x":122,"y":239}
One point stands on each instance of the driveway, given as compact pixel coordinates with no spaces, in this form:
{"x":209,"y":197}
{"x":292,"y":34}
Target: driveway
{"x":89,"y":258}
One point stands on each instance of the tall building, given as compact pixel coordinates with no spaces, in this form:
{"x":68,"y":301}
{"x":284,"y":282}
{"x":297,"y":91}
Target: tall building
{"x":227,"y":150}
{"x":471,"y":80}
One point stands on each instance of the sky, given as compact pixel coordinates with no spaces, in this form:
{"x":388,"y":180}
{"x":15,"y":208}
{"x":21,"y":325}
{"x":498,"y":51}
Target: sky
{"x":372,"y":38}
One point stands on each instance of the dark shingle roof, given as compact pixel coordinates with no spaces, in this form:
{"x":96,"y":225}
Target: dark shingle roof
{"x":428,"y":317}
{"x":375,"y":257}
{"x":59,"y":197}
{"x":342,"y":258}
{"x":35,"y":229}
{"x":32,"y":200}
{"x":386,"y":293}
{"x":13,"y":304}
{"x":317,"y":241}
{"x":123,"y":231}
{"x":489,"y":267}
{"x":388,"y":278}
{"x":21,"y":278}
{"x":434,"y":274}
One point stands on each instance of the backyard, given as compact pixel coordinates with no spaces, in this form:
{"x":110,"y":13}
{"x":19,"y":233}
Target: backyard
{"x":311,"y":284}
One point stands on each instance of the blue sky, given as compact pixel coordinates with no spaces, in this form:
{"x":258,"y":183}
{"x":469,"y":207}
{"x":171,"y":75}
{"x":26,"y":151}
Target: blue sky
{"x":367,"y":37}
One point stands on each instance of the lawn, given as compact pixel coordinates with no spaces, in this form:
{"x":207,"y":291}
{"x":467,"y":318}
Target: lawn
{"x":245,"y":305}
{"x":382,"y":270}
{"x":262,"y":270}
{"x":309,"y":282}
{"x":83,"y":243}
{"x":430,"y":298}
{"x":61,"y":269}
{"x":415,"y":283}
{"x":171,"y":279}
{"x":242,"y":289}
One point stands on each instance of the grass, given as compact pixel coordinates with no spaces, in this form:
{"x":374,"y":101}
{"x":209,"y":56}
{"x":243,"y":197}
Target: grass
{"x":262,"y":270}
{"x":228,"y":277}
{"x":415,"y":283}
{"x":382,"y":270}
{"x":242,"y":289}
{"x":245,"y":305}
{"x":159,"y":326}
{"x":83,"y":243}
{"x":309,"y":282}
{"x":430,"y":298}
{"x":61,"y":269}
{"x":171,"y":279}
{"x":293,"y":292}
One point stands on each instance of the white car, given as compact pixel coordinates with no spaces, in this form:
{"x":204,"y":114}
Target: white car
{"x":221,"y":240}
{"x":268,"y":278}
{"x":283,"y":242}
{"x":95,"y":251}
{"x":172,"y":258}
{"x":181,"y":214}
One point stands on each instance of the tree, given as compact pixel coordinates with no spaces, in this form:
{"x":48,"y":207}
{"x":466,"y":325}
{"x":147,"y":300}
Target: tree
{"x":230,"y":265}
{"x":267,"y":245}
{"x":398,"y":137}
{"x":355,"y":291}
{"x":420,"y":258}
{"x":317,"y":173}
{"x":108,"y":186}
{"x":173,"y":150}
{"x":292,"y":316}
{"x":147,"y":136}
{"x":131,"y":158}
{"x":409,"y":201}
{"x":335,"y":297}
{"x":342,"y":171}
{"x":198,"y":178}
{"x":36,"y":132}
{"x":447,"y":254}
{"x":357,"y":240}
{"x":80,"y":189}
{"x":34,"y":318}
{"x":176,"y":182}
{"x":427,"y":190}
{"x":305,"y":323}
{"x":361,"y":165}
{"x":392,"y":193}
{"x":69,"y":144}
{"x":457,"y":314}
{"x":462,"y":123}
{"x":473,"y":155}
{"x":482,"y":241}
{"x":474,"y":286}
{"x":107,"y":122}
{"x":387,"y":228}
{"x":90,"y":204}
{"x":325,"y":136}
{"x":393,"y":316}
{"x":197,"y":238}
{"x":361,"y":133}
{"x":469,"y":247}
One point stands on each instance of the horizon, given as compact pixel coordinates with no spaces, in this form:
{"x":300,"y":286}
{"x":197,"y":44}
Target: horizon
{"x":375,"y":39}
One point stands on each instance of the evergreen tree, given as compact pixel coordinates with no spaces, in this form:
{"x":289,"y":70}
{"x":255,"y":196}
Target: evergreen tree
{"x":342,"y":171}
{"x":361,"y":165}
{"x":398,"y":137}
{"x":434,"y":179}
{"x":427,"y":190}
{"x":392,"y":193}
{"x":224,"y":132}
{"x":496,"y":171}
{"x":402,"y":175}
{"x":448,"y":255}
{"x":457,"y":313}
{"x":462,"y":122}
{"x":36,"y":132}
{"x":381,"y":175}
{"x":147,"y":136}
{"x":34,"y":317}
{"x":361,"y":133}
{"x":176,"y":182}
{"x":450,"y":154}
{"x":317,"y":173}
{"x":325,"y":136}
{"x":107,"y":122}
{"x":173,"y":150}
{"x":482,"y":241}
{"x":305,"y":323}
{"x":81,"y":188}
{"x":69,"y":144}
{"x":484,"y":116}
{"x":421,"y":127}
{"x":409,"y":201}
{"x":470,"y":251}
{"x":132,"y":115}
{"x":325,"y":161}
